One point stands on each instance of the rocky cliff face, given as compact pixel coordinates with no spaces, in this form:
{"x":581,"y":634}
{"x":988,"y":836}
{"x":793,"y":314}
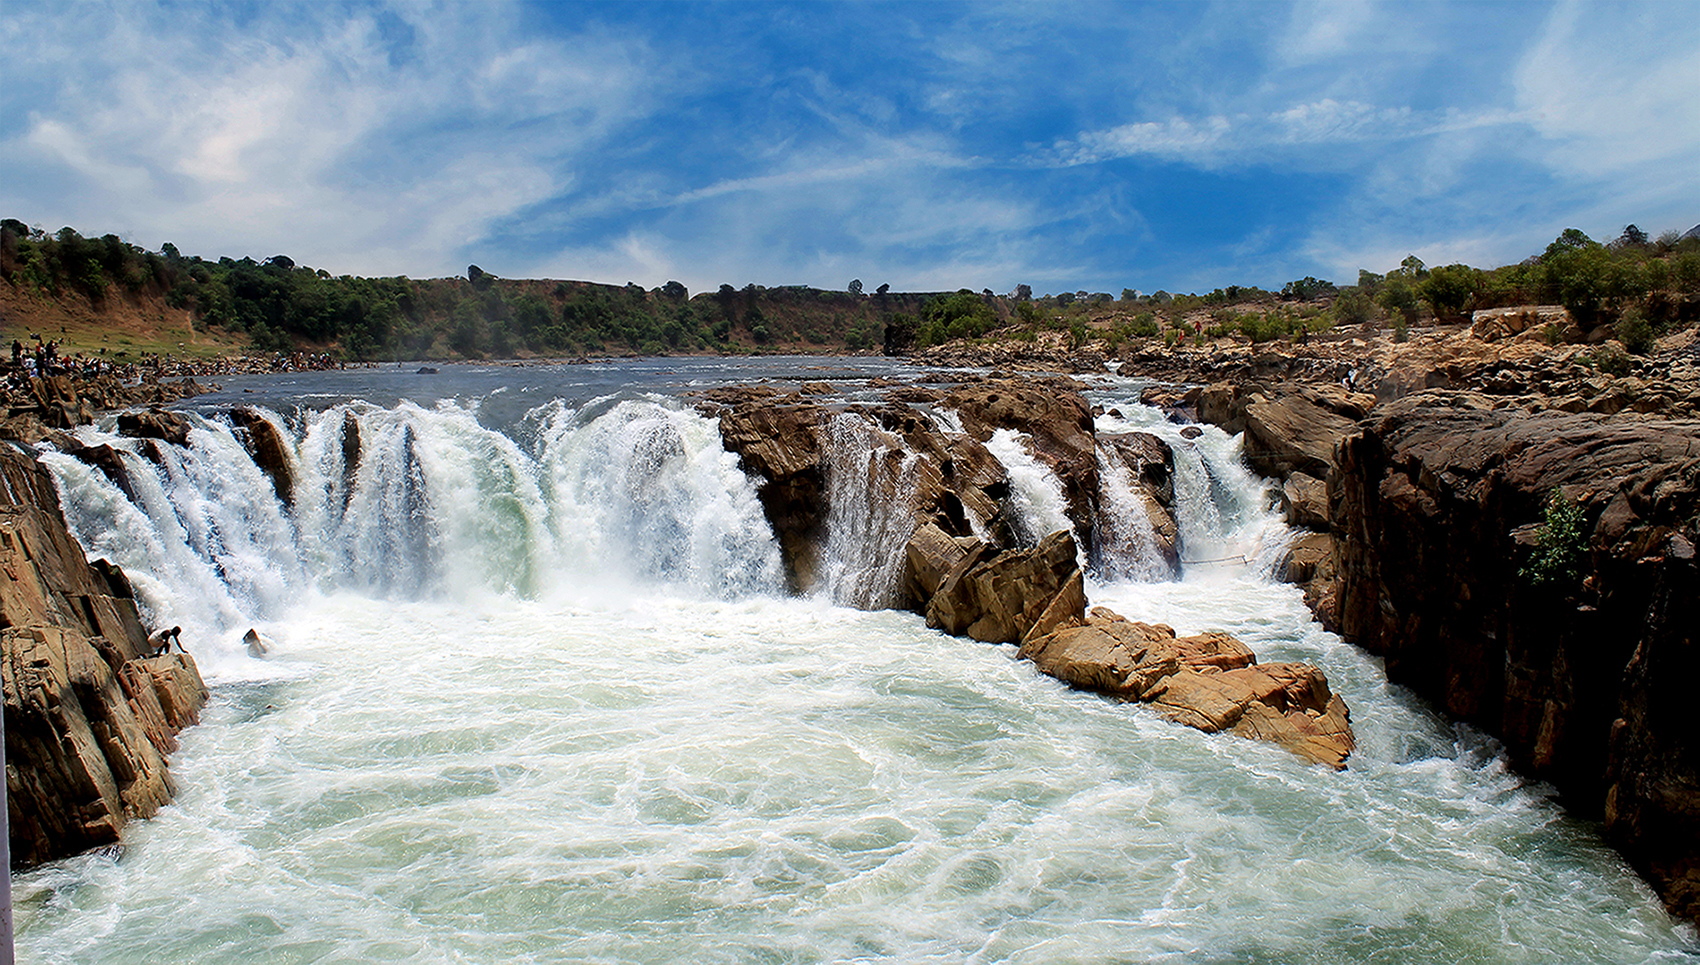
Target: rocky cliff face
{"x":1437,"y":504}
{"x":90,"y":714}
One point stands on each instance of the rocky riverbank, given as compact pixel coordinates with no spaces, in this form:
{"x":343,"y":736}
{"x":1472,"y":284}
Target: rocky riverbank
{"x":1423,"y":505}
{"x":90,"y":711}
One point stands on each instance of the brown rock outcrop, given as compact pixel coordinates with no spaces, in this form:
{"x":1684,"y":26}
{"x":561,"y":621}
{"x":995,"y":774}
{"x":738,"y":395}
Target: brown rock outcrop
{"x":90,"y":713}
{"x":1059,"y":428}
{"x":1150,"y":467}
{"x":1210,"y":681}
{"x":1289,"y":427}
{"x":155,"y":423}
{"x":1438,"y":504}
{"x":1002,"y":597}
{"x":269,"y":451}
{"x":794,"y":446}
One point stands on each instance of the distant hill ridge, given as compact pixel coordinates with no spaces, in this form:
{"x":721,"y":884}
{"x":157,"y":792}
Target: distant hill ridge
{"x":106,"y":295}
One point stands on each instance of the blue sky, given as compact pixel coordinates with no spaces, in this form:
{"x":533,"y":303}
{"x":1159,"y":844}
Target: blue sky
{"x":929,"y":146}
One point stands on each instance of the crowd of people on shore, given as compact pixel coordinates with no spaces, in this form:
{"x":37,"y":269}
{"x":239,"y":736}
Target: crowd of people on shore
{"x":45,"y":357}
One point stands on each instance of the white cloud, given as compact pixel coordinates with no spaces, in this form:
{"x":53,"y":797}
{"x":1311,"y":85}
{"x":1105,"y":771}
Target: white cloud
{"x":1318,"y":31}
{"x":1613,"y":89}
{"x":1245,"y":139}
{"x":302,"y":137}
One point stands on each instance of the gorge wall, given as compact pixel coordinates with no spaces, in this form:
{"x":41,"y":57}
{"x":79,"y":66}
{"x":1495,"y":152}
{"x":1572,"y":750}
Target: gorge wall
{"x":1437,"y":504}
{"x":1420,"y":521}
{"x":90,"y":713}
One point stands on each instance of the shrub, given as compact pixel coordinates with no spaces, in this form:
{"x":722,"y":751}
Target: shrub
{"x":1560,"y":545}
{"x":1635,"y":332}
{"x":1353,"y":306}
{"x":1608,"y":359}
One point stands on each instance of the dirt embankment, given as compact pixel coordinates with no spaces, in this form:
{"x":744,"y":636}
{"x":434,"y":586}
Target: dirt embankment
{"x":120,"y":327}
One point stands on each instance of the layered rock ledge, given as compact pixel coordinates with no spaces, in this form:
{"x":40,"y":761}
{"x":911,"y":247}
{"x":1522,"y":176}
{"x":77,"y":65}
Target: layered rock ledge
{"x":1438,"y":505}
{"x":90,"y":713}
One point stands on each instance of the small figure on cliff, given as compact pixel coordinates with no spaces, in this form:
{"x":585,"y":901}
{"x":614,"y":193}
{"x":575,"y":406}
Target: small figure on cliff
{"x":162,"y":639}
{"x":256,"y":647}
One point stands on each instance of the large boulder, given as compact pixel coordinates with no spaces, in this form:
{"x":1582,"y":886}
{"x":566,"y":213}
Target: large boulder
{"x":266,"y":446}
{"x":155,"y":423}
{"x":1002,"y":597}
{"x":1058,"y":425}
{"x":1210,"y":681}
{"x":781,"y":445}
{"x":1289,"y":427}
{"x":1493,"y":324}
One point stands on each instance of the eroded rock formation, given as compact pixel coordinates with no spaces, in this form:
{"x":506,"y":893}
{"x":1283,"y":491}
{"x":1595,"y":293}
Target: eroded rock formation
{"x":90,"y":713}
{"x":963,"y":568}
{"x":1210,"y":681}
{"x":1438,"y":506}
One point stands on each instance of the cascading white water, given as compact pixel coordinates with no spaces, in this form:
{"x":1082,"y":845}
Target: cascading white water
{"x":1221,"y":507}
{"x":641,"y":762}
{"x":645,"y":489}
{"x":1126,"y":541}
{"x":870,"y":513}
{"x":1036,"y":507}
{"x":435,"y":504}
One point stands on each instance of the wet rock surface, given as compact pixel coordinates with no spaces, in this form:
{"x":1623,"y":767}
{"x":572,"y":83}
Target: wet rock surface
{"x":965,"y":569}
{"x":1210,"y":681}
{"x":90,"y":714}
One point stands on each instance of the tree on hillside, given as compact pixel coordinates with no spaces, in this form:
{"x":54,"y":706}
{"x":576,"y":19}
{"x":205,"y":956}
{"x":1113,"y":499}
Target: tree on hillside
{"x":900,"y":334}
{"x":1306,"y":288}
{"x":1023,"y":293}
{"x":880,"y":291}
{"x":1398,"y":297}
{"x":855,"y":286}
{"x":1449,"y":290}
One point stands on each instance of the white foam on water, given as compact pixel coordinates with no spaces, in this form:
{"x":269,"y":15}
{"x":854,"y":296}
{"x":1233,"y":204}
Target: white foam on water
{"x":1036,"y":505}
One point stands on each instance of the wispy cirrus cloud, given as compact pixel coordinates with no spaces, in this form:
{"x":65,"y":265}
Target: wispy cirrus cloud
{"x":1244,"y":139}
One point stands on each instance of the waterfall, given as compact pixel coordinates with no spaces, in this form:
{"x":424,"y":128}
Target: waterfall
{"x":645,"y":489}
{"x":1036,"y":506}
{"x":870,"y":513}
{"x":1222,"y":509}
{"x":544,"y":646}
{"x":1125,"y":544}
{"x":410,"y":503}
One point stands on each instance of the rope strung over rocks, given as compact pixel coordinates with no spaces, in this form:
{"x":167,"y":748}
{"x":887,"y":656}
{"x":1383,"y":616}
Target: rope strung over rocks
{"x":1222,"y":559}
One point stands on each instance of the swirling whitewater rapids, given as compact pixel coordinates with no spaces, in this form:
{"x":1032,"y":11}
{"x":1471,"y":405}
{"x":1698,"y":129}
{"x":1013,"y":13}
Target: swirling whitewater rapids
{"x":536,"y":694}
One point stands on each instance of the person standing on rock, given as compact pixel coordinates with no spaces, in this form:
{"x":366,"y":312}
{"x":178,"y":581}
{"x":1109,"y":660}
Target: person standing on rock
{"x":162,"y":639}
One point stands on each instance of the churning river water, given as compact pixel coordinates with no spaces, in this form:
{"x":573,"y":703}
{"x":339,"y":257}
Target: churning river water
{"x":536,"y":694}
